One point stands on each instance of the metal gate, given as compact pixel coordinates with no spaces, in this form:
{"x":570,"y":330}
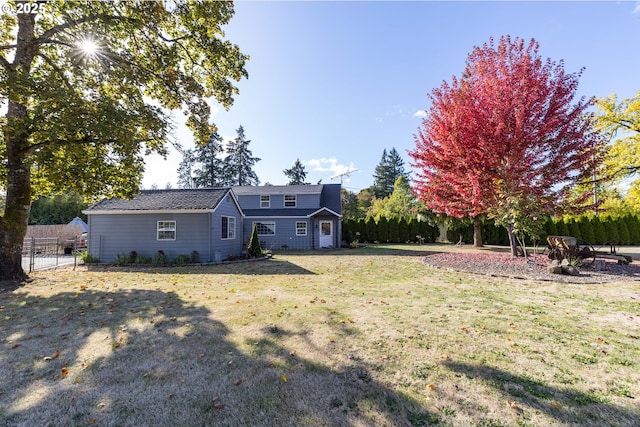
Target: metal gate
{"x":40,"y":253}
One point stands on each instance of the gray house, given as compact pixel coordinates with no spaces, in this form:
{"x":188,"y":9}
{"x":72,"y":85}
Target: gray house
{"x":176,"y":222}
{"x":293,"y":216}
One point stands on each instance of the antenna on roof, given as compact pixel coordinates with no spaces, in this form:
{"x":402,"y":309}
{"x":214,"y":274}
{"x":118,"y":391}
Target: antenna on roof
{"x":347,"y":173}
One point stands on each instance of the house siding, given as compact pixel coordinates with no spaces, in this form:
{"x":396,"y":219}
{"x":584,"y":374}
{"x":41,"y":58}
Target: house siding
{"x":276,"y":201}
{"x":285,"y":237}
{"x":225,"y":248}
{"x":111,"y":235}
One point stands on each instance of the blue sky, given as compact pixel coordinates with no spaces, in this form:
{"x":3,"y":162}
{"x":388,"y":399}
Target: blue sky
{"x":336,"y":83}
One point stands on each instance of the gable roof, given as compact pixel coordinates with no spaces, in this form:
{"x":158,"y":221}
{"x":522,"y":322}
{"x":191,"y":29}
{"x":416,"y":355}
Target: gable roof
{"x":204,"y":199}
{"x":277,"y":189}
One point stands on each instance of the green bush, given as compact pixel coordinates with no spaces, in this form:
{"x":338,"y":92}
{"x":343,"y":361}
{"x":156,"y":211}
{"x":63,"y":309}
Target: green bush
{"x":122,"y":259}
{"x":598,"y":231}
{"x":563,"y":229}
{"x":87,"y":258}
{"x":623,"y":232}
{"x":586,"y":229}
{"x":611,"y":230}
{"x":182,"y":259}
{"x":633,"y":225}
{"x":371,"y":230}
{"x":383,"y":230}
{"x":141,"y":259}
{"x":160,"y":258}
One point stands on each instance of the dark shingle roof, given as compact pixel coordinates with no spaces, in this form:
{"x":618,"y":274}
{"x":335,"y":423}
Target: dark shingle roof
{"x":277,"y":189}
{"x":152,"y":200}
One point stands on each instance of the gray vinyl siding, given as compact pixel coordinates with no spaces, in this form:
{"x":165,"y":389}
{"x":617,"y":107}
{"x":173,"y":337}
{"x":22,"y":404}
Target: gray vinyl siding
{"x":114,"y":234}
{"x":303,"y":201}
{"x":225,"y":248}
{"x":111,"y":235}
{"x":285,"y":237}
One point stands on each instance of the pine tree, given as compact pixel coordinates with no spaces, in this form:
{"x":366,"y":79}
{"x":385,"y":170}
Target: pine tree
{"x":390,"y":168}
{"x":210,"y":171}
{"x":296,"y":174}
{"x":238,"y":165}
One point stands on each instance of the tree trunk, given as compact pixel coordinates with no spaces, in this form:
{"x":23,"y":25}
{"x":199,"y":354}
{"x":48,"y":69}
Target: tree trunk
{"x":13,"y":225}
{"x":477,"y":232}
{"x":442,"y":232}
{"x":513,"y":242}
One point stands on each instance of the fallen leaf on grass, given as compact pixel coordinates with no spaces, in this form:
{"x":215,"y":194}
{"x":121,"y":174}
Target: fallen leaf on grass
{"x":64,"y":372}
{"x":15,"y":346}
{"x":237,"y":382}
{"x":514,"y":407}
{"x":92,"y":421}
{"x":217,"y":404}
{"x":431,"y":386}
{"x":283,"y":378}
{"x":53,"y":356}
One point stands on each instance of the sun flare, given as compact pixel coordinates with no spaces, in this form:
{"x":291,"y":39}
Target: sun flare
{"x":88,"y":47}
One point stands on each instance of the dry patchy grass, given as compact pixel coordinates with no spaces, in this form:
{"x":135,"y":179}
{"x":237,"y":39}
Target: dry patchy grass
{"x":367,"y":337}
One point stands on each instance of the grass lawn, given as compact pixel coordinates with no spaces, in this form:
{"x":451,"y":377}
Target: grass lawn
{"x":365,"y":337}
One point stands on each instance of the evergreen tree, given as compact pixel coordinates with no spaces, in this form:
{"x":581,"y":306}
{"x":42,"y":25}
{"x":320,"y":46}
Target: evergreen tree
{"x":563,"y":229}
{"x":371,"y":229}
{"x":390,"y":168}
{"x":623,"y":231}
{"x":210,"y":171}
{"x":297,"y":174}
{"x":254,"y":250}
{"x":58,"y":209}
{"x":633,"y":225}
{"x":599,"y":232}
{"x":185,"y":170}
{"x":238,"y":165}
{"x":586,"y":229}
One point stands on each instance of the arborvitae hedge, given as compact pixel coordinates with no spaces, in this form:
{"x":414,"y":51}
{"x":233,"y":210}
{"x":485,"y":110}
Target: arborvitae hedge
{"x":596,"y":230}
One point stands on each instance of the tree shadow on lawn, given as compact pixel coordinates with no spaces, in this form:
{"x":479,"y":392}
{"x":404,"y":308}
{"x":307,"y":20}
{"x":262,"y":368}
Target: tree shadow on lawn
{"x":565,"y":405}
{"x":269,"y":266}
{"x":371,"y":249}
{"x":143,"y":357}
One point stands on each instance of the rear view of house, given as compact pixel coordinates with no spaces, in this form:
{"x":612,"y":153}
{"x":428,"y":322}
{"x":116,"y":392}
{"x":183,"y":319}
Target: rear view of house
{"x":293,"y":216}
{"x":177,"y":222}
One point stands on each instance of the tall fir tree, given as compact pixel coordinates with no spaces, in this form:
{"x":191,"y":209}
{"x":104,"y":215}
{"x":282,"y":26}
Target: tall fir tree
{"x":296,"y":174}
{"x":390,"y":168}
{"x":185,"y":169}
{"x":238,"y":165}
{"x":209,"y":172}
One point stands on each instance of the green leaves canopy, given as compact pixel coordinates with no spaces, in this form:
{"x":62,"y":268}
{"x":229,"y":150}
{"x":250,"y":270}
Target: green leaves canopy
{"x":89,"y":118}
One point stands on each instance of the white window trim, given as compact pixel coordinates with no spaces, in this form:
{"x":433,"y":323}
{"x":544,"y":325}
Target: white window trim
{"x":268,"y":202}
{"x":158,"y":230}
{"x":266,"y":222}
{"x":230,"y":219}
{"x":305,"y":228}
{"x":295,"y":200}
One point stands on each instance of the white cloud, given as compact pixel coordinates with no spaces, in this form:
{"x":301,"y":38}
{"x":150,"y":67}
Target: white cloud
{"x":330,"y":165}
{"x":420,"y":113}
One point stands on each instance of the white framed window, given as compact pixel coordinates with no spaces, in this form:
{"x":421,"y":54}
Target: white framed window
{"x":289,"y":200}
{"x":267,"y":228}
{"x":301,"y":228}
{"x":265,"y":201}
{"x":166,"y":230}
{"x":228,"y":229}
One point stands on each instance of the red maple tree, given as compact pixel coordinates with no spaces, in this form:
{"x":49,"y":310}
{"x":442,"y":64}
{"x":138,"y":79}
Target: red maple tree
{"x":506,"y":139}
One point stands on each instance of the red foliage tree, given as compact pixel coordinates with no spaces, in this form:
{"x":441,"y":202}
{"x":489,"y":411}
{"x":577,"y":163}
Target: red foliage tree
{"x":506,"y":139}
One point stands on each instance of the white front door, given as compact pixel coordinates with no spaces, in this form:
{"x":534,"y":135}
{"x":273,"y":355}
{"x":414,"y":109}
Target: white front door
{"x":326,"y":234}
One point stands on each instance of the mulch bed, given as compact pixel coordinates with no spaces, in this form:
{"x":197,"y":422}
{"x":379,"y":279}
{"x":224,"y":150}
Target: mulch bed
{"x":535,"y":268}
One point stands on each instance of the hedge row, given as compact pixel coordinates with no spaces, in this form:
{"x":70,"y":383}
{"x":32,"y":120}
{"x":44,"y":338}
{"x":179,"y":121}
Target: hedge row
{"x":594,"y":230}
{"x":387,"y":230}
